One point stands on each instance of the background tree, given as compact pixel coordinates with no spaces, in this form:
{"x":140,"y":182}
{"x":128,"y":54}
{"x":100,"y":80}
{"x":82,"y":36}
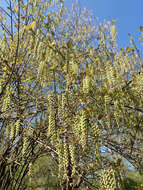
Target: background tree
{"x":68,"y":93}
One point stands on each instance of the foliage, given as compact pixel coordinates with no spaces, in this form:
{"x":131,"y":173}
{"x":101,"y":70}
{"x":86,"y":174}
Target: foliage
{"x":43,"y":176}
{"x":68,"y":93}
{"x":133,"y":181}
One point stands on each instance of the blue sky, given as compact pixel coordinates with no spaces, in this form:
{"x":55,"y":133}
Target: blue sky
{"x":127,"y":13}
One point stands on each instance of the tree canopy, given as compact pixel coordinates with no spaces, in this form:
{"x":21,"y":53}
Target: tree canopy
{"x":67,"y":92}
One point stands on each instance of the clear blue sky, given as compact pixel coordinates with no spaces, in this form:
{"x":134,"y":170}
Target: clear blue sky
{"x":127,"y":13}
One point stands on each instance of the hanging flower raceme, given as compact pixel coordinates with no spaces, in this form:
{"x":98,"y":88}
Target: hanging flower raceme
{"x":83,"y":128}
{"x":86,"y":84}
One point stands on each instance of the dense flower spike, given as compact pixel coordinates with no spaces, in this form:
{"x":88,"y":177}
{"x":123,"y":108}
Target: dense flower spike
{"x":6,"y":104}
{"x":30,"y":172}
{"x":108,"y":179}
{"x":96,"y":130}
{"x":66,"y":159}
{"x":77,"y":126}
{"x":51,"y":126}
{"x":60,"y":153}
{"x":86,"y":84}
{"x":25,"y":145}
{"x":12,"y":131}
{"x":83,"y":126}
{"x":17,"y":126}
{"x":72,"y":155}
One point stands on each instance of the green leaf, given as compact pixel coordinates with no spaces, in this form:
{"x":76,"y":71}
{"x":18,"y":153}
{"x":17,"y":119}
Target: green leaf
{"x":140,"y":28}
{"x":141,"y":38}
{"x":128,"y":50}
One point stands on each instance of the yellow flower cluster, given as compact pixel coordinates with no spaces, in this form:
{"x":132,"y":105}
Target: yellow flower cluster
{"x":110,"y":76}
{"x":30,"y":172}
{"x":108,"y":179}
{"x":51,"y":126}
{"x":17,"y":126}
{"x":76,"y":126}
{"x":65,"y":159}
{"x":66,"y":155}
{"x":107,"y":99}
{"x":72,"y":155}
{"x":6,"y":103}
{"x":86,"y":84}
{"x":52,"y":129}
{"x":83,"y":127}
{"x":25,"y":144}
{"x":59,"y":148}
{"x":96,"y":130}
{"x":12,"y":130}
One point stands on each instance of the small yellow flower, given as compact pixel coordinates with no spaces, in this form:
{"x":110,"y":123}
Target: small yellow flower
{"x":15,"y":9}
